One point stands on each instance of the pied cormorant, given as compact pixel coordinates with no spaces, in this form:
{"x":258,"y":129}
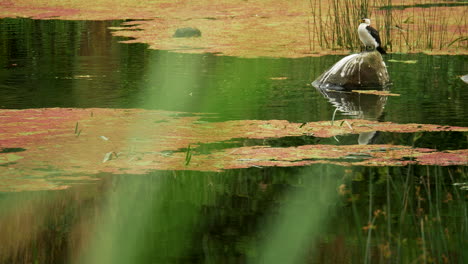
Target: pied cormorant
{"x":370,"y":36}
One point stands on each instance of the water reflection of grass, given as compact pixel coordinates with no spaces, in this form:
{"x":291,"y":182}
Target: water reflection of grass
{"x":400,"y":214}
{"x":415,"y":214}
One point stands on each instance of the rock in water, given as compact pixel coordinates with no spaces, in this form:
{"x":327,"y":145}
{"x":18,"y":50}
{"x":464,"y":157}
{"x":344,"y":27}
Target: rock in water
{"x":464,"y":78}
{"x":187,"y":32}
{"x":362,"y":70}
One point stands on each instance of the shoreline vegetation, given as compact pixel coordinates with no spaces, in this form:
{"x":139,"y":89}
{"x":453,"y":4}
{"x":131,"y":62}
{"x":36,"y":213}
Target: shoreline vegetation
{"x":254,"y":28}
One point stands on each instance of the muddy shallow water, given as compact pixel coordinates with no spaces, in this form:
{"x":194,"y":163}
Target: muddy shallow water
{"x":315,"y":214}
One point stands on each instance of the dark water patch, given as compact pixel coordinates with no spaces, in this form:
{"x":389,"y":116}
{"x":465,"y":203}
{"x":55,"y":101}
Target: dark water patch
{"x":6,"y":164}
{"x":11,"y":150}
{"x":441,"y":141}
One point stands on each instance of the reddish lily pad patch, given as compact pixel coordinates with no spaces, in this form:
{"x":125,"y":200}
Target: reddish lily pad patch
{"x":55,"y":146}
{"x":453,"y":157}
{"x":363,"y":155}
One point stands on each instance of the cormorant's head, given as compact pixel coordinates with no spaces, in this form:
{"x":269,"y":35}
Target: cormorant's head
{"x":365,"y":20}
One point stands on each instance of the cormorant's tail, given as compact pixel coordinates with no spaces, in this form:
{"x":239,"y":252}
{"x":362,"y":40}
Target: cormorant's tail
{"x":381,"y":50}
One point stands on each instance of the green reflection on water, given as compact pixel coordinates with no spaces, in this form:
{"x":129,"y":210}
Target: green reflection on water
{"x":295,"y":226}
{"x":44,"y":68}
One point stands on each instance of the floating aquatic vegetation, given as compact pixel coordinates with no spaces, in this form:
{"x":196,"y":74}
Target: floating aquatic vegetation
{"x":253,"y":28}
{"x":404,"y":61}
{"x":376,"y":92}
{"x":138,"y":141}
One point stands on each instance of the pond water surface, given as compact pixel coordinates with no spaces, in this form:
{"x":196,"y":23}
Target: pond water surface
{"x":315,"y":214}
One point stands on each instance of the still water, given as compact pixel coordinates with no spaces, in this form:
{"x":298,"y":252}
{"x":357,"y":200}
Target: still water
{"x":315,"y":214}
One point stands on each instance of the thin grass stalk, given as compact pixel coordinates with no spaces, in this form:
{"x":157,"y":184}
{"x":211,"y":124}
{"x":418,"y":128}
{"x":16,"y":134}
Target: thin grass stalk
{"x":460,"y":29}
{"x":320,"y":22}
{"x":404,"y":206}
{"x":389,"y":211}
{"x":431,"y":28}
{"x":358,"y":224}
{"x":323,"y":39}
{"x":312,"y":11}
{"x":423,"y":240}
{"x":345,"y":28}
{"x":308,"y":31}
{"x":440,"y":184}
{"x":335,"y":24}
{"x":325,"y":29}
{"x":422,"y":214}
{"x":411,"y":28}
{"x":317,"y":21}
{"x":349,"y":33}
{"x":459,"y":197}
{"x":388,"y":25}
{"x":465,"y":230}
{"x":371,"y":220}
{"x":332,"y":27}
{"x":442,"y":32}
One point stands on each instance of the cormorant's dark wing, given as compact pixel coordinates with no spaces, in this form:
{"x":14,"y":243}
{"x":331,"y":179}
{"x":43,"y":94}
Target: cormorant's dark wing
{"x":375,"y":34}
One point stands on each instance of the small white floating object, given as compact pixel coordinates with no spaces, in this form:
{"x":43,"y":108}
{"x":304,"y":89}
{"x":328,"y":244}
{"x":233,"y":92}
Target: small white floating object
{"x":107,"y":157}
{"x":104,"y":138}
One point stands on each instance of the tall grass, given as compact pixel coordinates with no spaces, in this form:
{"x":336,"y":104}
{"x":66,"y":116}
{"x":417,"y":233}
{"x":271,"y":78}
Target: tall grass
{"x":419,"y":217}
{"x":271,"y":215}
{"x":335,"y":27}
{"x":415,"y":26}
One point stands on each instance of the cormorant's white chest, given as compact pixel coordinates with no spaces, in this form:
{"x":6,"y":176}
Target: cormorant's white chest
{"x":365,"y":36}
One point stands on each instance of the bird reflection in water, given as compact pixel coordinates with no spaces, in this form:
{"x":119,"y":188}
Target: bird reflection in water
{"x":358,"y":106}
